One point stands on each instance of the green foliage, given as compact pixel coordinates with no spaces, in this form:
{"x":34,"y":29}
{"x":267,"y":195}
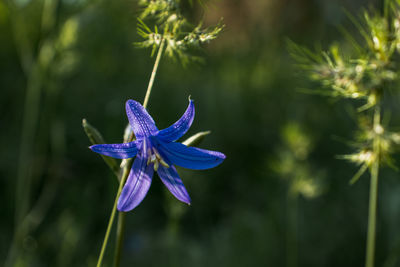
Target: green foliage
{"x":245,"y":95}
{"x":361,"y":74}
{"x":173,"y":28}
{"x":96,"y":138}
{"x":196,"y":139}
{"x":365,"y":155}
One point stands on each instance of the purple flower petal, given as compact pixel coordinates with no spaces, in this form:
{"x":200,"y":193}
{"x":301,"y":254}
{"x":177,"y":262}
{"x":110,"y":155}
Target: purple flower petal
{"x":142,"y":123}
{"x":179,"y":128}
{"x":171,"y":179}
{"x":137,"y":185}
{"x":190,"y":157}
{"x":119,"y":151}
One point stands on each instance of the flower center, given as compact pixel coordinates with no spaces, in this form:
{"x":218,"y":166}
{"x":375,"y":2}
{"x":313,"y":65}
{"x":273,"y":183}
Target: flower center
{"x":155,"y":157}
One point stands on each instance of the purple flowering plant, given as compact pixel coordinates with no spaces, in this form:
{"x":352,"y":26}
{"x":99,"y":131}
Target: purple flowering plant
{"x":156,"y":150}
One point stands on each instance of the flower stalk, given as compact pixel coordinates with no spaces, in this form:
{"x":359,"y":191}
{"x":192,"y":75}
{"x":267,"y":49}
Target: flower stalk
{"x":121,"y":215}
{"x":120,"y":238}
{"x":153,"y":74}
{"x":112,"y":216}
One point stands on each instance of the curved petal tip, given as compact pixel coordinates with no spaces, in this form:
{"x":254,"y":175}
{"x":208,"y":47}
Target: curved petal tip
{"x":173,"y":182}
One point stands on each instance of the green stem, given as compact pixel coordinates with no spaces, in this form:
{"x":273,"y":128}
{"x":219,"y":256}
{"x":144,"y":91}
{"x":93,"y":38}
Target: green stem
{"x":373,"y":194}
{"x":121,"y":216}
{"x":111,"y":220}
{"x":120,"y":238}
{"x":153,"y":74}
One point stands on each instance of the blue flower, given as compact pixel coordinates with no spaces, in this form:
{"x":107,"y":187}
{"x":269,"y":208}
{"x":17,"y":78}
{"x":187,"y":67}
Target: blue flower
{"x":156,"y":150}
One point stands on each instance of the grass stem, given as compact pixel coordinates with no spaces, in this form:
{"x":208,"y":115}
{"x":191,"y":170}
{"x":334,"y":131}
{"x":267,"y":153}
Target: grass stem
{"x":373,"y":195}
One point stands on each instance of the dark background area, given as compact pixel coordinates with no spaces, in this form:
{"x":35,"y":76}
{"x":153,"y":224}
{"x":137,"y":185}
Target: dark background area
{"x":246,"y":92}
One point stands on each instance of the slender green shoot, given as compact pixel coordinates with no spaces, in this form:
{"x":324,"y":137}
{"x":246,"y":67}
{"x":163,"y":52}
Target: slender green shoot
{"x":120,"y":238}
{"x":111,"y":220}
{"x":153,"y":74}
{"x":373,"y":194}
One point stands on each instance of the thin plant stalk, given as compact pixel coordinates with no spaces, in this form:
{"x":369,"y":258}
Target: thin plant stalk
{"x":373,"y":194}
{"x":121,"y":216}
{"x":111,"y":220}
{"x":120,"y":238}
{"x":153,"y":73}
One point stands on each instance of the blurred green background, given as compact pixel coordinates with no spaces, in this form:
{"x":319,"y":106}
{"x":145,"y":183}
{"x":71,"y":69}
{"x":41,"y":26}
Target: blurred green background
{"x":281,"y":198}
